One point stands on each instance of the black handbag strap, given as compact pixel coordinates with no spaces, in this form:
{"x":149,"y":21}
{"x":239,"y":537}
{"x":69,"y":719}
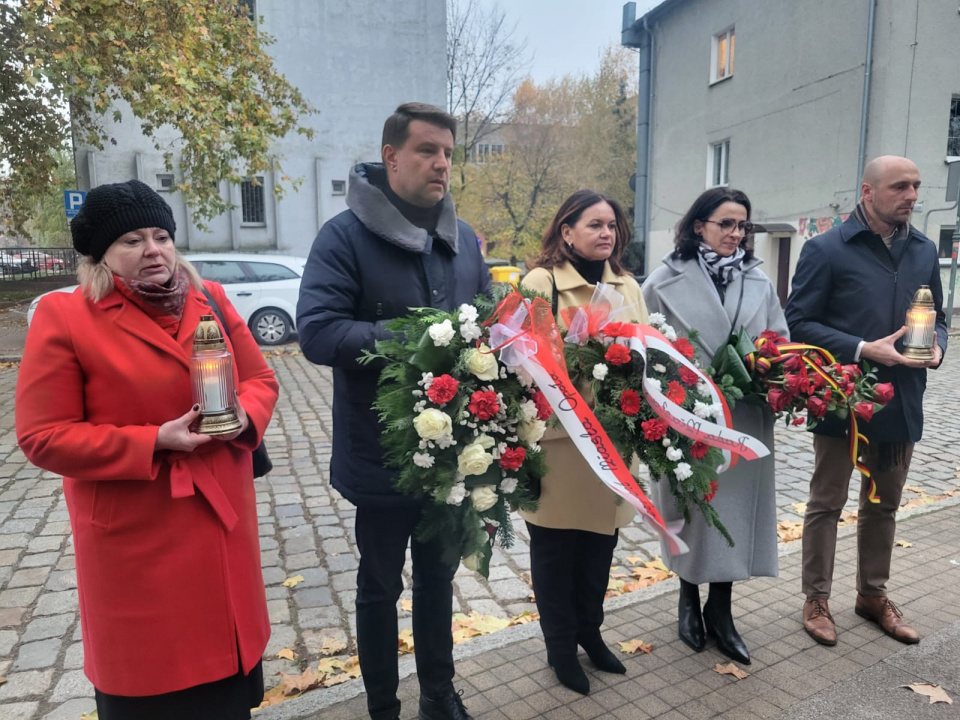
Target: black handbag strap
{"x":216,"y":311}
{"x":555,"y":303}
{"x":736,"y":315}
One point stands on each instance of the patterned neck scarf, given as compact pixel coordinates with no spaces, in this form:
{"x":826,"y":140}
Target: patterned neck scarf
{"x":722,"y":270}
{"x":162,"y":303}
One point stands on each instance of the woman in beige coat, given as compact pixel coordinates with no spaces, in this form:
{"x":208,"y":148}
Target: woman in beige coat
{"x":574,"y":531}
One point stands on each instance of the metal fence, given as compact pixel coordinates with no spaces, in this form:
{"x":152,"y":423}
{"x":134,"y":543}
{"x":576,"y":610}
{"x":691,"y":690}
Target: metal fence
{"x":21,"y":263}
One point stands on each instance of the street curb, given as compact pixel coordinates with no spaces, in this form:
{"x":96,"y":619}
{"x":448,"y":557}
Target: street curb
{"x":311,"y":703}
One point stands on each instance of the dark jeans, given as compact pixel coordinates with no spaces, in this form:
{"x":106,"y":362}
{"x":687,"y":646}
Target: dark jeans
{"x":571,"y":571}
{"x":382,"y":537}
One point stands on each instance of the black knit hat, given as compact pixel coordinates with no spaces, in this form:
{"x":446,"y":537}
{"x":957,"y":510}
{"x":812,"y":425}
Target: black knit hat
{"x":110,"y":211}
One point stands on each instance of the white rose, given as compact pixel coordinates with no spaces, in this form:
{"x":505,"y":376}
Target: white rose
{"x":470,"y":331}
{"x":474,"y":460}
{"x":656,"y":319}
{"x":674,"y":454}
{"x":456,"y":495}
{"x":659,"y":368}
{"x":424,"y":460}
{"x":669,"y":333}
{"x":716,"y":410}
{"x":485,"y":441}
{"x":682,"y":471}
{"x":702,"y":410}
{"x":531,"y":432}
{"x":482,"y":363}
{"x":432,"y":424}
{"x":442,"y":333}
{"x":600,"y":371}
{"x":471,"y":562}
{"x":509,"y":485}
{"x":483,"y":498}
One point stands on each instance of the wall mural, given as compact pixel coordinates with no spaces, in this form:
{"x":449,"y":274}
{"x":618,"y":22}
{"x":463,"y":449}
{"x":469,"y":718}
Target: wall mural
{"x":811,"y":227}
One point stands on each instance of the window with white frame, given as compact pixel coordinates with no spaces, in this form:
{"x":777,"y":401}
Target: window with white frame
{"x":252,"y":203}
{"x":953,"y":134}
{"x":721,"y":65}
{"x":164,"y":182}
{"x":248,"y":8}
{"x":718,"y":162}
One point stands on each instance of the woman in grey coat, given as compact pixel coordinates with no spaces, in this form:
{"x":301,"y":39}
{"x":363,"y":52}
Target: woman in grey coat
{"x":710,"y":283}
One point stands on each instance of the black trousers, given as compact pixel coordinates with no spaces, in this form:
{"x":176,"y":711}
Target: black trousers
{"x":571,"y":570}
{"x":382,"y":538}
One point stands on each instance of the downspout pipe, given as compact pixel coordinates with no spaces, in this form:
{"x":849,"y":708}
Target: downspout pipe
{"x":865,"y":108}
{"x":644,"y":114}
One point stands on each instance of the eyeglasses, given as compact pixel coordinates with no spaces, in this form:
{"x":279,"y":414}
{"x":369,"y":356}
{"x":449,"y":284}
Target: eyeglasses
{"x":728,"y":224}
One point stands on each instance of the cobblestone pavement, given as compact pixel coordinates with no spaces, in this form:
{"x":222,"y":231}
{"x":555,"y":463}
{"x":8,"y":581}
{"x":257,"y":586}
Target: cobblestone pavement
{"x":306,"y":529}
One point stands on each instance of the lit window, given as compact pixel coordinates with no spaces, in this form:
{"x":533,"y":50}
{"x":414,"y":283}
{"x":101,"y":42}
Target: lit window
{"x":953,"y":136}
{"x":718,"y":164}
{"x":251,"y":202}
{"x":724,"y":44}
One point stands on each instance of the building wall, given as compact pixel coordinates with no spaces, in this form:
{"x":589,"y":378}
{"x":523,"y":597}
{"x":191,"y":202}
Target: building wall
{"x":354,"y":62}
{"x":791,"y":109}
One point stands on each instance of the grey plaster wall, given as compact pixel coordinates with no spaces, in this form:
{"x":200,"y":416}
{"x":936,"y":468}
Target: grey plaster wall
{"x":354,"y":62}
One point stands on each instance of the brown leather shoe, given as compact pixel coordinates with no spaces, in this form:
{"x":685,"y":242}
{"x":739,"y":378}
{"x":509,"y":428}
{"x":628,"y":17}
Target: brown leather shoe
{"x":818,"y":622}
{"x":884,"y":613}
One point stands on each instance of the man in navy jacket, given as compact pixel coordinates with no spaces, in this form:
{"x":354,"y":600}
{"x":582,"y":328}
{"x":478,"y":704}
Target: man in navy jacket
{"x":399,"y":246}
{"x":850,"y":295}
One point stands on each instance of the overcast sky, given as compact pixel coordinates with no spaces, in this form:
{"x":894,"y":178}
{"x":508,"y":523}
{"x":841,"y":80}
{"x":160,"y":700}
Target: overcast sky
{"x":567,"y":36}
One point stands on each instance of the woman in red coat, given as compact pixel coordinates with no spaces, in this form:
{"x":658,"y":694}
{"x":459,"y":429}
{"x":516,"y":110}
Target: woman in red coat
{"x":172,"y":602}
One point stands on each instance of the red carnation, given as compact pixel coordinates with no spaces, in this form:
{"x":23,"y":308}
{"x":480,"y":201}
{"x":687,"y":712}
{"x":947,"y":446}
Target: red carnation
{"x":629,"y":402}
{"x":512,"y":458}
{"x":793,"y":363}
{"x":688,"y":376}
{"x":483,"y":404}
{"x":778,"y":400}
{"x":882,"y":393}
{"x":654,"y":430}
{"x":617,"y":355}
{"x":443,"y":389}
{"x":816,"y":407}
{"x":795,"y":383}
{"x":699,"y":450}
{"x":685,"y":347}
{"x":798,"y":421}
{"x":676,"y":393}
{"x":713,"y":491}
{"x":615,"y":329}
{"x":544,"y":411}
{"x":864,"y":410}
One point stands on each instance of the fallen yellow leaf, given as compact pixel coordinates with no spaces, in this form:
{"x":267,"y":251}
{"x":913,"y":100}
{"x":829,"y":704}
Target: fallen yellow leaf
{"x":631,"y":647}
{"x":406,"y":604}
{"x":788,"y":531}
{"x":731,"y":669}
{"x":332,"y":646}
{"x":524,"y":617}
{"x":936,"y":693}
{"x":298,"y":684}
{"x":903,"y":543}
{"x":914,"y":488}
{"x":634,"y":560}
{"x":329,"y":666}
{"x":292,"y":582}
{"x":800,"y":508}
{"x":847,"y":518}
{"x":657,"y":564}
{"x":405,"y":641}
{"x":86,"y":716}
{"x":352,"y":666}
{"x":287,"y":654}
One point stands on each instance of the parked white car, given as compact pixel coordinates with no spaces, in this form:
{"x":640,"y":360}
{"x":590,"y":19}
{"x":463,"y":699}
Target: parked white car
{"x":263,"y":288}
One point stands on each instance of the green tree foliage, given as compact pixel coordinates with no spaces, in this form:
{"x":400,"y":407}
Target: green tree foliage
{"x":195,"y":69}
{"x":48,"y":225}
{"x":568,"y":133}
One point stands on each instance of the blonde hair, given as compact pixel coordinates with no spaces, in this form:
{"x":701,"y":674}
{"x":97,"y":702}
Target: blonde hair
{"x":96,"y":278}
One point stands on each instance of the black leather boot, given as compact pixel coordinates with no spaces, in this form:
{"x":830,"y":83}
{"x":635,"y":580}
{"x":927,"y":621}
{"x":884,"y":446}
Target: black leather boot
{"x":598,"y":652}
{"x":689,"y":619}
{"x":719,"y":622}
{"x":448,"y":706}
{"x":569,"y":672}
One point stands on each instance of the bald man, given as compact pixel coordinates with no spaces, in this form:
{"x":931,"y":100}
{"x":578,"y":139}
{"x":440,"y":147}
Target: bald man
{"x":850,"y":295}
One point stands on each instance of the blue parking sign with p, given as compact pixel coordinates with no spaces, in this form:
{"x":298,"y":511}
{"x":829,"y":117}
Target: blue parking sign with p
{"x":72,"y":200}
